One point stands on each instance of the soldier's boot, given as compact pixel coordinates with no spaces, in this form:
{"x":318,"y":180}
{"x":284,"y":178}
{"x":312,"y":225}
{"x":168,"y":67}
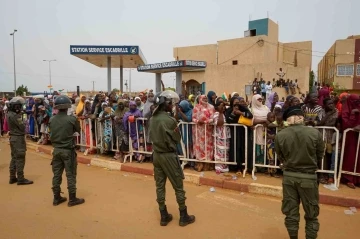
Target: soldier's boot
{"x":58,"y":199}
{"x":73,"y":201}
{"x":165,"y":217}
{"x":24,"y":182}
{"x":13,"y":180}
{"x":185,"y":219}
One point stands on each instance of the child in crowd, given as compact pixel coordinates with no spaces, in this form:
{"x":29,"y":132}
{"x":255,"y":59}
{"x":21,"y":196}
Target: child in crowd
{"x":43,"y":120}
{"x":279,"y":122}
{"x":270,"y":143}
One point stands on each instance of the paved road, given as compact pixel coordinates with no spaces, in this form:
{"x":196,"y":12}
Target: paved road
{"x":122,"y":205}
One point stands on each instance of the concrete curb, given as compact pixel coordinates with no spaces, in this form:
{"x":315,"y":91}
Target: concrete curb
{"x":255,"y":188}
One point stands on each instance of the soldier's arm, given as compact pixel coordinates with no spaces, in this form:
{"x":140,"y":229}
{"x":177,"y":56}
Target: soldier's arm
{"x":277,"y":147}
{"x":320,"y":148}
{"x":172,"y":131}
{"x":77,"y":125}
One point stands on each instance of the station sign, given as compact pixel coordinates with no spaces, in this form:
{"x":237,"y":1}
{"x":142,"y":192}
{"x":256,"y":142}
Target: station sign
{"x":172,"y":64}
{"x":103,"y":50}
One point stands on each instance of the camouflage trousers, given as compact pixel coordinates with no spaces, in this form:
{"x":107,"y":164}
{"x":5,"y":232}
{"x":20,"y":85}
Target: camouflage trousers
{"x":301,"y":187}
{"x":64,"y":159}
{"x":18,"y":153}
{"x":167,"y":166}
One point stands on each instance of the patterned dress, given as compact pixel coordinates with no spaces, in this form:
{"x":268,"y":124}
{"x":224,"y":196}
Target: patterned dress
{"x":106,"y":132}
{"x":222,"y":144}
{"x":202,"y":133}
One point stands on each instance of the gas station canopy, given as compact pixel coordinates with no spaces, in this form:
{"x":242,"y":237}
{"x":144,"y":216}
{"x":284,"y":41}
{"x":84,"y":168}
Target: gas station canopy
{"x":170,"y":66}
{"x":110,"y":57}
{"x":125,"y":56}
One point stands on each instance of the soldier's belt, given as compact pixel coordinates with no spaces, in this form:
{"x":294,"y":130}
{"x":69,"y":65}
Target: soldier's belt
{"x":300,"y":175}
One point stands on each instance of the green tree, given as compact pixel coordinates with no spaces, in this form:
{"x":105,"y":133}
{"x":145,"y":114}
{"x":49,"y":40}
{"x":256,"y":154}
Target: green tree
{"x":115,"y":90}
{"x":311,"y":79}
{"x":21,"y":90}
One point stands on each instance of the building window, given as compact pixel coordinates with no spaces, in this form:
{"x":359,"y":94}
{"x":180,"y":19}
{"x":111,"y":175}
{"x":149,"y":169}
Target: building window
{"x":234,"y":62}
{"x":358,"y":70}
{"x":345,"y":70}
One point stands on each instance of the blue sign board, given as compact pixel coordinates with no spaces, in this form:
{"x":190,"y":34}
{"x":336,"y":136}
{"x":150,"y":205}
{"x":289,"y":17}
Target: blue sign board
{"x":103,"y":50}
{"x":173,"y":64}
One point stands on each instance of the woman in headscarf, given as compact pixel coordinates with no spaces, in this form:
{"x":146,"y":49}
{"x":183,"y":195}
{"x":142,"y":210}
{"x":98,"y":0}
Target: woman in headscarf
{"x":184,"y":113}
{"x":121,"y":137}
{"x":106,"y":120}
{"x":272,"y":101}
{"x":222,"y":138}
{"x":80,"y":106}
{"x":191,"y":100}
{"x":29,"y":112}
{"x":148,"y":104}
{"x":237,"y":108}
{"x":202,"y":132}
{"x":324,"y":92}
{"x":351,"y":119}
{"x":211,"y":96}
{"x":139,"y":104}
{"x":342,"y":100}
{"x":259,"y":112}
{"x":130,"y":117}
{"x":234,"y":94}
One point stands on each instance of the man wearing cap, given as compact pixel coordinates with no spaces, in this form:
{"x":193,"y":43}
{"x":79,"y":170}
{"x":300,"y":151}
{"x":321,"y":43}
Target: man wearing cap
{"x":166,"y":163}
{"x":301,"y":148}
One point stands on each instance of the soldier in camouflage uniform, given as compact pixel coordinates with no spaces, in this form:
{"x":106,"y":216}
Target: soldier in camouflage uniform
{"x":17,"y":142}
{"x":301,"y":148}
{"x":165,"y":135}
{"x":62,"y":128}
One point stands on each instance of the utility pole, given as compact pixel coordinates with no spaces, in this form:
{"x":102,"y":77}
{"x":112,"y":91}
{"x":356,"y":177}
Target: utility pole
{"x":93,"y":82}
{"x":50,"y":86}
{"x":13,"y":36}
{"x":126,"y":85}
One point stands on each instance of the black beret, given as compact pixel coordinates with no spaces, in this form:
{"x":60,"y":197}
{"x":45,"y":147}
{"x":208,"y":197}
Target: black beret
{"x":293,"y":110}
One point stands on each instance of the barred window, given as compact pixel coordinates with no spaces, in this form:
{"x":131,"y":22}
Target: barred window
{"x":358,"y":70}
{"x":345,"y":70}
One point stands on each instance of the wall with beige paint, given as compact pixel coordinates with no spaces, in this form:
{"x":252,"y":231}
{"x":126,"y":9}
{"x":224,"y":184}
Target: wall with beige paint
{"x":256,"y":56}
{"x":202,"y":52}
{"x":341,"y":52}
{"x":229,"y":78}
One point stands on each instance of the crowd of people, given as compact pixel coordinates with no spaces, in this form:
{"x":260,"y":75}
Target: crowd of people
{"x":108,"y":121}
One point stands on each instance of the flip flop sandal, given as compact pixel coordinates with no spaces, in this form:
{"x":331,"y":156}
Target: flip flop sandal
{"x":351,"y":185}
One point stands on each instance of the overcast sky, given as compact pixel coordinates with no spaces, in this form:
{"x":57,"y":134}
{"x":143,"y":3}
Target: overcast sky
{"x":46,"y":28}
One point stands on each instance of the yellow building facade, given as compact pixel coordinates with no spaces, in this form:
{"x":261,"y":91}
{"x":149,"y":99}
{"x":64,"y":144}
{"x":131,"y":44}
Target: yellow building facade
{"x":341,"y":64}
{"x":234,"y":63}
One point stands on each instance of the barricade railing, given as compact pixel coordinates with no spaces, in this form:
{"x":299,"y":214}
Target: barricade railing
{"x":142,"y":144}
{"x":343,"y":148}
{"x":265,"y":161}
{"x":85,"y":137}
{"x":186,"y":145}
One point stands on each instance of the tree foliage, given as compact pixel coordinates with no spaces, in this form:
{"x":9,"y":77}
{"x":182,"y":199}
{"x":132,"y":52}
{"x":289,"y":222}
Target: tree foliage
{"x":21,"y":90}
{"x":311,"y":79}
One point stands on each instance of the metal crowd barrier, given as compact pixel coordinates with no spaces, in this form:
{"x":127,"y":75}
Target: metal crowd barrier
{"x":265,"y":163}
{"x":186,"y":157}
{"x":343,"y":148}
{"x":85,"y":137}
{"x":141,"y":125}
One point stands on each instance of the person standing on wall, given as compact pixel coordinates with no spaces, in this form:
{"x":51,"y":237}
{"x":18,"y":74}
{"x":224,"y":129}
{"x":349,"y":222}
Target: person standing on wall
{"x":17,"y":142}
{"x":62,"y":128}
{"x":300,"y":164}
{"x":165,"y":135}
